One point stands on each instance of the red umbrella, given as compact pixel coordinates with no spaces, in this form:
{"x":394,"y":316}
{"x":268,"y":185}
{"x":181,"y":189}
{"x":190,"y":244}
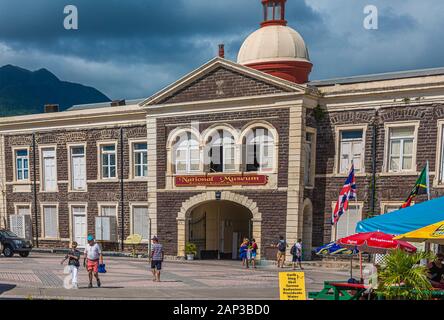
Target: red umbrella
{"x":374,"y":242}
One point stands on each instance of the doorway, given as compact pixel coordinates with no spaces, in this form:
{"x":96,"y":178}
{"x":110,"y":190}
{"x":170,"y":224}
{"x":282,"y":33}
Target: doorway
{"x":217,"y":228}
{"x":80,"y":229}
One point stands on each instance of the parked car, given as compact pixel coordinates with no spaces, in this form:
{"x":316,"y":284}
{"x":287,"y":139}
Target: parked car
{"x":11,"y":244}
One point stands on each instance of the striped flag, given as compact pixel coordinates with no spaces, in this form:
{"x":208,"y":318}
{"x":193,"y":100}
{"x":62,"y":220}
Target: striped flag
{"x":347,"y":193}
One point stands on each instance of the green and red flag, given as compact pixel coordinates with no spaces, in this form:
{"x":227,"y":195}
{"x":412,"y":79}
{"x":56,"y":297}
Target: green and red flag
{"x":422,"y":186}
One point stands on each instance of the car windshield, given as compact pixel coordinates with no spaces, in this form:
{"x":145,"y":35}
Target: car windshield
{"x":9,"y":234}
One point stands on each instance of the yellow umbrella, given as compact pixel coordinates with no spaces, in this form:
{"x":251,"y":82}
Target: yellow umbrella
{"x":432,"y":234}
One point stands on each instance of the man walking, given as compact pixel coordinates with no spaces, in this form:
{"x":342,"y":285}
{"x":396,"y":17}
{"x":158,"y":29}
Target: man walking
{"x":296,"y":252}
{"x":92,"y":258}
{"x":157,"y":255}
{"x":282,"y":248}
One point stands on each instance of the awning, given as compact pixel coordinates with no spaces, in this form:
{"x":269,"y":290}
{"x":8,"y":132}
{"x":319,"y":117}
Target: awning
{"x":406,"y":220}
{"x":432,"y":234}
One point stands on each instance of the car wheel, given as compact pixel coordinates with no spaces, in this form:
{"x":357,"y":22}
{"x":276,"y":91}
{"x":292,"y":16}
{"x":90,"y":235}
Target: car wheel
{"x":24,"y":254}
{"x":8,"y":252}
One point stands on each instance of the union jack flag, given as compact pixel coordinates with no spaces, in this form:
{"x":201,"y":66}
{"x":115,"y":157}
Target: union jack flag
{"x":347,"y":193}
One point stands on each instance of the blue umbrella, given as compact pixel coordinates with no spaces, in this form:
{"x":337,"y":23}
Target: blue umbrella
{"x":333,"y":248}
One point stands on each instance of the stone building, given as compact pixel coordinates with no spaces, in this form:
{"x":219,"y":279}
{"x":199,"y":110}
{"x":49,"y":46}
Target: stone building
{"x":231,"y":150}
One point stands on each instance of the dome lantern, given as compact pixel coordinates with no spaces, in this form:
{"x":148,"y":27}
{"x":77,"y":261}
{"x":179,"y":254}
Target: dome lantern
{"x":274,"y":12}
{"x":276,"y":48}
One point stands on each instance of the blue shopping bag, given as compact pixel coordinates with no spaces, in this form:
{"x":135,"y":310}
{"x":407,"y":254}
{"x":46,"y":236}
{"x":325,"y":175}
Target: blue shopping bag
{"x":102,"y":268}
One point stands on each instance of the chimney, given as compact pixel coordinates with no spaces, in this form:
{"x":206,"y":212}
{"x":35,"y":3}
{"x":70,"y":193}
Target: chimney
{"x":50,"y":108}
{"x":222,"y":51}
{"x":118,"y":103}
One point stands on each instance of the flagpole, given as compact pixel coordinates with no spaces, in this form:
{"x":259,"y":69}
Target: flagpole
{"x":428,"y":181}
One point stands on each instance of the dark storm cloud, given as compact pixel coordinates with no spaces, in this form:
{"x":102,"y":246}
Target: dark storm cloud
{"x":132,"y":48}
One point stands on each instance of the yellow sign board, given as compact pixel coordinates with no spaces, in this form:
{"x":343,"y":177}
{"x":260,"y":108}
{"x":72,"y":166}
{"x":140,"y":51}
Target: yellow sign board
{"x":292,"y":286}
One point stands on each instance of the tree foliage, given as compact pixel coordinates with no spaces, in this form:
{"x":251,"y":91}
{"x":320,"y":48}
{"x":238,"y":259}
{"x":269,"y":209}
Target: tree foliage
{"x":402,"y":277}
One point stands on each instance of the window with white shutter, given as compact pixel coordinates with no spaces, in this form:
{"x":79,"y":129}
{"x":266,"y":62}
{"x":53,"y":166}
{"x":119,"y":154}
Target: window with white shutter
{"x":78,"y":168}
{"x":260,"y":150}
{"x":401,"y":146}
{"x":141,"y":222}
{"x":187,"y":154}
{"x":351,"y":149}
{"x":108,"y":161}
{"x":22,"y":165}
{"x":221,"y":151}
{"x":348,"y":222}
{"x":140,"y":155}
{"x":50,"y":222}
{"x":49,"y":170}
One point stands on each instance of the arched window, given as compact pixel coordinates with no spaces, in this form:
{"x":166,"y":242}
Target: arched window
{"x":259,"y":148}
{"x":221,"y":152}
{"x":186,"y":153}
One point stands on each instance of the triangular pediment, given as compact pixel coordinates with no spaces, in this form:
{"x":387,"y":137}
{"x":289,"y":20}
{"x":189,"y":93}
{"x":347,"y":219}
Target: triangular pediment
{"x":222,"y":79}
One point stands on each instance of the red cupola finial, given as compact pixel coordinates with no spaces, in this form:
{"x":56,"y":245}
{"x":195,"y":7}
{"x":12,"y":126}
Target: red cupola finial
{"x":274,"y":13}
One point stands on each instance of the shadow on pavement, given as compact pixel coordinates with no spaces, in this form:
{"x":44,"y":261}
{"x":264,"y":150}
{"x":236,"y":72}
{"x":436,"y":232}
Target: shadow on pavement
{"x":6,"y":287}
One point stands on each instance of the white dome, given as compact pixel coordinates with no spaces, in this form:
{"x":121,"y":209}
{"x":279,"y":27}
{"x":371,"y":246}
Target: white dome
{"x":273,"y":44}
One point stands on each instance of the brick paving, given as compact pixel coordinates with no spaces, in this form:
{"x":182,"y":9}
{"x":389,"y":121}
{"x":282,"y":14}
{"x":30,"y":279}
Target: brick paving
{"x":42,"y":276}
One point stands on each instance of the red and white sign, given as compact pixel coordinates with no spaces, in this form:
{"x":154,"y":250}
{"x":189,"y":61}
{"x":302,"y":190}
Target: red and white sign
{"x":221,"y":180}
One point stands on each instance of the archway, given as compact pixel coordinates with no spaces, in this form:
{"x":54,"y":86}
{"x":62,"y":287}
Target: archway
{"x":307,"y":232}
{"x":217,"y":228}
{"x":238,"y":211}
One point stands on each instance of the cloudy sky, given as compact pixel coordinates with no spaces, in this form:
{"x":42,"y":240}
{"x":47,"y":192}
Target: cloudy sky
{"x":132,"y":48}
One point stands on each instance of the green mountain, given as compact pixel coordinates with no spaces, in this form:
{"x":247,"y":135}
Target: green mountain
{"x":26,"y":92}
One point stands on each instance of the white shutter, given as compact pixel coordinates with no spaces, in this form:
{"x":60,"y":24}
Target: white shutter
{"x":79,"y":172}
{"x":357,"y":155}
{"x":140,"y":222}
{"x":17,"y":225}
{"x":50,"y":214}
{"x":49,"y":170}
{"x":348,"y":222}
{"x":345,"y":157}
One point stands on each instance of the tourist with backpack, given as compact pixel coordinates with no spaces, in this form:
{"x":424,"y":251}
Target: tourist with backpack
{"x":296,"y":252}
{"x":282,"y":248}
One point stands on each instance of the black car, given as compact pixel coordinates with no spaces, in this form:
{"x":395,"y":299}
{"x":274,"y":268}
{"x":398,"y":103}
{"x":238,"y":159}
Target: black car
{"x":11,"y":244}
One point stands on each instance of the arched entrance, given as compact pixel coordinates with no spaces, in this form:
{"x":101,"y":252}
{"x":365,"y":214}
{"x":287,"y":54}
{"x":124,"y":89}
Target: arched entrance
{"x":307,"y":232}
{"x":216,"y":226}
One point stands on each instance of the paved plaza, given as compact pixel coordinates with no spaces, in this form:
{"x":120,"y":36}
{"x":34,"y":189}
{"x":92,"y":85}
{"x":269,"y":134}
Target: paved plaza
{"x":41,"y":276}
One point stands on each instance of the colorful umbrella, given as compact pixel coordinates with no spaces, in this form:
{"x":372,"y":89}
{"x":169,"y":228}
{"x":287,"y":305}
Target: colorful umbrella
{"x":375,"y":242}
{"x":334,"y":249}
{"x":432,"y":234}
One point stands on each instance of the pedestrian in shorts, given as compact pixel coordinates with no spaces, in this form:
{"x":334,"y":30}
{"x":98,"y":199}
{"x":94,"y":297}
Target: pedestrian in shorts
{"x":157,"y":255}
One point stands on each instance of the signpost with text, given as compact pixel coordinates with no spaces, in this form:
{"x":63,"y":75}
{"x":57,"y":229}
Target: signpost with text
{"x":292,"y":286}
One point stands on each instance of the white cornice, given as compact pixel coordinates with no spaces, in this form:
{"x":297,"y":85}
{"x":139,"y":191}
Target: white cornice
{"x":74,"y":119}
